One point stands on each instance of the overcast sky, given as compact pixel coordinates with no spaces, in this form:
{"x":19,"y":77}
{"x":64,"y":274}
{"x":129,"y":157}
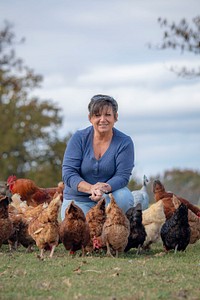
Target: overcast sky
{"x":83,"y":48}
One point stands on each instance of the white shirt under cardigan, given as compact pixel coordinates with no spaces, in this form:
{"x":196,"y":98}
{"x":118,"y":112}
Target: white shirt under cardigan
{"x":80,"y":164}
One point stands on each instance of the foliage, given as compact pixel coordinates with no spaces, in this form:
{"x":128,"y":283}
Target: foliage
{"x":48,"y":171}
{"x":29,"y":127}
{"x":133,"y":184}
{"x":151,"y":275}
{"x":182,"y":36}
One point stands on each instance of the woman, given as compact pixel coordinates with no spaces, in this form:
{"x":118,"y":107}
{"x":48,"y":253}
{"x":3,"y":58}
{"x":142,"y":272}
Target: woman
{"x":98,"y":160}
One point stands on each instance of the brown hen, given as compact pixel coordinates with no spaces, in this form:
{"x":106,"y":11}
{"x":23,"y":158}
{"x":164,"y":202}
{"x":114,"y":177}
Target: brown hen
{"x":44,"y":228}
{"x":116,"y":230}
{"x":20,"y":235}
{"x":21,"y":214}
{"x":74,"y":229}
{"x":95,"y":218}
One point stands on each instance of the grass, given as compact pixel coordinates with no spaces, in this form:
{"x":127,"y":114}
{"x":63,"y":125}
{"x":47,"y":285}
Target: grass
{"x":151,"y":275}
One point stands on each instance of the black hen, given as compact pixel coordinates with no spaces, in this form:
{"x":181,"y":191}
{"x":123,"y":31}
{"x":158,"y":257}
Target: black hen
{"x":137,"y":230}
{"x":175,"y":232}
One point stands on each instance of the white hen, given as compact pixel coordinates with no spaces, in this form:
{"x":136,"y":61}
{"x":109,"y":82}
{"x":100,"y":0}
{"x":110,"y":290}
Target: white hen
{"x":141,"y":196}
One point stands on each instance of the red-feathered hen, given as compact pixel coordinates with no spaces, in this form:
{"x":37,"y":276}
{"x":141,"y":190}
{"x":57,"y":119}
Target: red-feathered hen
{"x":30,"y":192}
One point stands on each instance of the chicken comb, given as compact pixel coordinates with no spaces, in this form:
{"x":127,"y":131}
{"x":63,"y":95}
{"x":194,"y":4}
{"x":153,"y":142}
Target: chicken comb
{"x":11,"y":178}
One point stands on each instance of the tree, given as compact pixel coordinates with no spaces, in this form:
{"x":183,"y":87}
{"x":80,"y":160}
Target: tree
{"x":134,"y":184}
{"x":29,"y":126}
{"x":184,"y":37}
{"x":49,"y":170}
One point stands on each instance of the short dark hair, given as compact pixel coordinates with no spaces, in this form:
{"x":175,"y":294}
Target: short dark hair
{"x":97,"y":102}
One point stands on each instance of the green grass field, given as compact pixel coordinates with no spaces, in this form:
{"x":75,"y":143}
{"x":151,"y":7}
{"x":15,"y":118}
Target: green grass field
{"x":150,"y":275}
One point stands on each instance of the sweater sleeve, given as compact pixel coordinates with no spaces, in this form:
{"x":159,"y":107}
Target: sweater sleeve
{"x":124,"y":165}
{"x":72,"y":162}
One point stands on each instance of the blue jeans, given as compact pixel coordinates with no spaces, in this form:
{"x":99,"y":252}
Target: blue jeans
{"x":123,"y":198}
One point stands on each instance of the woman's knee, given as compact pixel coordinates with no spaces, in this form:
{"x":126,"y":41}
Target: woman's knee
{"x":83,"y":205}
{"x":64,"y":206}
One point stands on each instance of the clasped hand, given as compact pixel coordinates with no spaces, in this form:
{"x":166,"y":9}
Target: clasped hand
{"x":98,"y":189}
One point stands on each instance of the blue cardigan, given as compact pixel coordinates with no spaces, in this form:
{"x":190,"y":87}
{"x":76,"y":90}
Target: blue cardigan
{"x":80,"y":164}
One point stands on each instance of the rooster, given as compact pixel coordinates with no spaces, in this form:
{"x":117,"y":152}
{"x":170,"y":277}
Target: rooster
{"x":30,"y":192}
{"x":44,"y":228}
{"x":166,"y":197}
{"x":74,"y":229}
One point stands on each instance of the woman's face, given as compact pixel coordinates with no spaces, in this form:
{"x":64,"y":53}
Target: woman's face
{"x":104,"y":121}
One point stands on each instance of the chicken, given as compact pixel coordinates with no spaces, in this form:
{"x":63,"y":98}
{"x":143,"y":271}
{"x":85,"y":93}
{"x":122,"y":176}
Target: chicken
{"x":20,"y":235}
{"x":95,"y":218}
{"x":44,"y":228}
{"x":137,"y":231}
{"x":6,"y":227}
{"x":29,"y":212}
{"x":30,"y":193}
{"x":175,"y":232}
{"x":116,"y":230}
{"x":141,"y":196}
{"x":21,"y":214}
{"x":194,"y":222}
{"x":160,"y":193}
{"x":153,"y":218}
{"x":74,"y":230}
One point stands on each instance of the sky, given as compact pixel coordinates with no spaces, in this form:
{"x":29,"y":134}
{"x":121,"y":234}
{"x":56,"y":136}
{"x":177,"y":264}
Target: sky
{"x":83,"y":48}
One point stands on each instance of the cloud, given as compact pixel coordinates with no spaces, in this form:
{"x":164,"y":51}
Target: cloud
{"x":141,"y":90}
